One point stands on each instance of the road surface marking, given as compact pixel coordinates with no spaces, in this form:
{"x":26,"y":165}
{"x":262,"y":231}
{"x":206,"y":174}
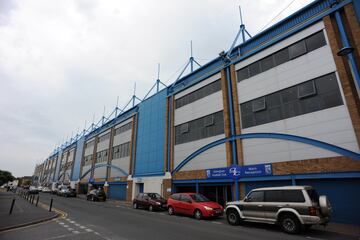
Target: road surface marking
{"x":88,"y":230}
{"x":65,"y":226}
{"x":76,"y":232}
{"x":82,"y":227}
{"x":70,"y":229}
{"x":61,"y":223}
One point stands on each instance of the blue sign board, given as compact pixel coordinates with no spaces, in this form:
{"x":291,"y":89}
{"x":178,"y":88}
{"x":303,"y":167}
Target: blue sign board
{"x":236,"y":171}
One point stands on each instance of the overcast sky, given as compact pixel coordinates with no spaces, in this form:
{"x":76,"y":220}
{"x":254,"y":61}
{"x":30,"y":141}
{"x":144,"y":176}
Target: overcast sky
{"x":63,"y":61}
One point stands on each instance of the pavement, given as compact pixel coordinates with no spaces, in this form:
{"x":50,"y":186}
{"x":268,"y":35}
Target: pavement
{"x":24,"y":213}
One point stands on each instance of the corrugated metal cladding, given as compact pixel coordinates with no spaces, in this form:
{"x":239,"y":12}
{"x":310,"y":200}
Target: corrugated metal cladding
{"x":344,"y":195}
{"x":150,"y":136}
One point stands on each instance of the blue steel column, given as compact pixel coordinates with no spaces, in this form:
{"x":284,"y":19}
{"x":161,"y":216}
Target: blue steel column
{"x":232,"y":127}
{"x":169,"y":133}
{"x":346,"y":44}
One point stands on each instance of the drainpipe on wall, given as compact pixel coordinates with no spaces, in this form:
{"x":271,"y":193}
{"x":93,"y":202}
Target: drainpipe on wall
{"x":232,"y":127}
{"x":347,"y":50}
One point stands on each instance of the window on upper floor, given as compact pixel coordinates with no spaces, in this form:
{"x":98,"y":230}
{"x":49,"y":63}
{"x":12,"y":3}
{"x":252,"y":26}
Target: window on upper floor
{"x":204,"y":127}
{"x":310,"y":96}
{"x":198,"y":94}
{"x":286,"y":54}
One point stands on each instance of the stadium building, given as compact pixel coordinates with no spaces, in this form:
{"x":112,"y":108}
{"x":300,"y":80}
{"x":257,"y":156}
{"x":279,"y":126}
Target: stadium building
{"x":282,"y":108}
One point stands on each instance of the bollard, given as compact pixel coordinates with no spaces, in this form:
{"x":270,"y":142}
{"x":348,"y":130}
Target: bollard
{"x":37,"y":201}
{"x":32,"y":200}
{"x":12,"y":206}
{"x":51,"y":202}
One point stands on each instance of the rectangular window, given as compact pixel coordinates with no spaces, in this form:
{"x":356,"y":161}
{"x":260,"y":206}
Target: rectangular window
{"x":258,"y":104}
{"x":184,"y":128}
{"x":284,"y":196}
{"x":306,"y":89}
{"x":123,"y":128}
{"x":198,"y":94}
{"x":314,"y":95}
{"x":281,"y":56}
{"x":207,"y":126}
{"x":297,"y":49}
{"x":267,"y":63}
{"x":243,"y":74}
{"x":254,"y":69}
{"x":255,"y":196}
{"x":315,"y":41}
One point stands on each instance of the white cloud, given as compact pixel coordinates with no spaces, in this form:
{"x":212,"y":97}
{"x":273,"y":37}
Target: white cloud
{"x":62,"y":61}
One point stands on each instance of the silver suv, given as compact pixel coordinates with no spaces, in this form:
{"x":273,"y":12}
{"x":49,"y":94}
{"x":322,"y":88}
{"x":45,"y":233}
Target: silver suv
{"x":294,"y":208}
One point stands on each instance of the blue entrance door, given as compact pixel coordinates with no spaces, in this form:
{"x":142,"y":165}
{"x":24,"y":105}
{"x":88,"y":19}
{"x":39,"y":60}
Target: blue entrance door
{"x":117,"y":191}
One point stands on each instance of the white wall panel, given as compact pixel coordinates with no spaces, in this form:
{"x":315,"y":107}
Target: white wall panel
{"x":212,"y":158}
{"x":122,"y":138}
{"x":331,"y":125}
{"x":122,"y":163}
{"x":200,"y":108}
{"x":103,"y":145}
{"x":100,"y":172}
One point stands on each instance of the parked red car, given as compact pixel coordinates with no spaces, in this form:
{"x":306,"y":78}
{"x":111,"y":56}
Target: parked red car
{"x":193,"y":204}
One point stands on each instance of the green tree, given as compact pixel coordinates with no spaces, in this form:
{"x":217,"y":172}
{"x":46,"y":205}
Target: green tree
{"x":5,"y":176}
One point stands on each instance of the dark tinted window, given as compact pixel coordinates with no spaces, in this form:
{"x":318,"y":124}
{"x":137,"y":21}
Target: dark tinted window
{"x":175,"y":196}
{"x":297,"y":49}
{"x":198,"y":94}
{"x":256,"y":196}
{"x":267,"y":63}
{"x":284,"y":196}
{"x":284,"y":55}
{"x":314,"y":196}
{"x":185,"y":198}
{"x":281,"y":56}
{"x":314,"y":95}
{"x":199,"y":198}
{"x":254,"y":69}
{"x":207,"y":126}
{"x":315,"y":41}
{"x":243,"y":74}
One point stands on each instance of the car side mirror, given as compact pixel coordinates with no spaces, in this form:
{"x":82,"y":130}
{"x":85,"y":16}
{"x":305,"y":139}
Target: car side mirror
{"x":188,"y":201}
{"x":246,"y":199}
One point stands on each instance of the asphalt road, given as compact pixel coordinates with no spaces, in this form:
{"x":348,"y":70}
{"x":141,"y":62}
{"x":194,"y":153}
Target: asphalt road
{"x":98,"y":220}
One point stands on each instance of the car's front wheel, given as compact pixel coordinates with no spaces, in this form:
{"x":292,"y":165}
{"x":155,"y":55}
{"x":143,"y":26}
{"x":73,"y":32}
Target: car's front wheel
{"x":233,"y":217}
{"x":198,"y":214}
{"x":151,"y":208}
{"x":171,"y":210}
{"x":135,"y":206}
{"x":289,"y":223}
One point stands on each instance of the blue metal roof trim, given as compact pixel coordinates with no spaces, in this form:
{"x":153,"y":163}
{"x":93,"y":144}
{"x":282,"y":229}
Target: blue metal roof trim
{"x":290,"y":22}
{"x":284,"y":25}
{"x":198,"y":75}
{"x":122,"y":117}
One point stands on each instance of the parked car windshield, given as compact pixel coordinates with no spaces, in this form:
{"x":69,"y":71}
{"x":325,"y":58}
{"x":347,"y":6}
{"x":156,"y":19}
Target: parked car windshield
{"x":154,"y":196}
{"x":199,"y":198}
